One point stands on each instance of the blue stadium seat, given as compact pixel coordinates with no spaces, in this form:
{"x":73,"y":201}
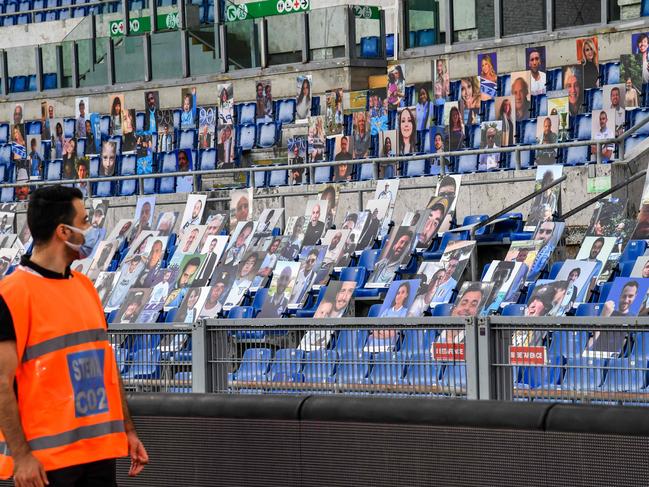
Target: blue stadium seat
{"x":539,"y":105}
{"x":370,"y":47}
{"x":53,"y":170}
{"x":633,"y":250}
{"x":368,"y":258}
{"x":389,"y":45}
{"x":208,"y":159}
{"x":514,"y":310}
{"x":350,"y":341}
{"x":446,"y":238}
{"x":609,"y":73}
{"x":352,"y":368}
{"x":424,"y":375}
{"x":505,"y":84}
{"x":4,"y":133}
{"x":581,"y":127}
{"x":246,"y":113}
{"x":637,"y":115}
{"x":425,"y":37}
{"x":145,"y":364}
{"x":308,"y":312}
{"x":414,"y":168}
{"x":319,"y":366}
{"x":277,"y":178}
{"x":632,"y":141}
{"x":187,"y":139}
{"x":442,"y":309}
{"x":417,"y":342}
{"x":246,"y":135}
{"x":285,"y":110}
{"x":322,"y":174}
{"x":488,"y":109}
{"x":266,"y":135}
{"x":589,"y":309}
{"x":254,"y":365}
{"x":357,"y":274}
{"x":388,"y":369}
{"x":625,"y":375}
{"x":576,"y":156}
{"x":554,"y":79}
{"x":286,"y":365}
{"x":584,"y":374}
{"x":568,"y":343}
{"x":593,"y":97}
{"x":527,"y":131}
{"x":467,"y":163}
{"x":366,"y":172}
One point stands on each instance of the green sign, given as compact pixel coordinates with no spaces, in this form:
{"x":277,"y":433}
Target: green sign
{"x":366,"y":12}
{"x":599,"y":184}
{"x":265,"y":8}
{"x":141,"y":25}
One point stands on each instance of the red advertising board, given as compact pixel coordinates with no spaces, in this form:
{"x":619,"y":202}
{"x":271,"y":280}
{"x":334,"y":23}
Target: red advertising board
{"x":452,"y":352}
{"x":527,"y":355}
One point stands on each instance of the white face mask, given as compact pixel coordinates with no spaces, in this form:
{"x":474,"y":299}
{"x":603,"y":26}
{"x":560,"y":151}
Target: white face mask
{"x":80,"y":248}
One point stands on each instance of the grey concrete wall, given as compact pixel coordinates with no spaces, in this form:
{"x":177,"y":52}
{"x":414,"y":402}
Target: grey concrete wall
{"x":485,"y":193}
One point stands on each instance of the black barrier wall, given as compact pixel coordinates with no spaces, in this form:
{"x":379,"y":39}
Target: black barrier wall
{"x":230,"y":440}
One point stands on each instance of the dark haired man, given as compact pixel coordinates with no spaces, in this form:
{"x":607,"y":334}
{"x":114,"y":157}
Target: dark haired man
{"x":54,"y":350}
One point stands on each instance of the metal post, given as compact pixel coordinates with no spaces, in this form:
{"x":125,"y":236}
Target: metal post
{"x":282,"y":220}
{"x":549,"y":16}
{"x":471,"y":357}
{"x":223,"y":47}
{"x":486,"y":390}
{"x":75,"y":65}
{"x":376,"y":170}
{"x":153,"y":12}
{"x":217,"y":14}
{"x":620,"y":150}
{"x":127,"y":17}
{"x":448,"y":22}
{"x":306,"y":40}
{"x":199,"y":358}
{"x":350,"y":33}
{"x":216,"y":360}
{"x":360,"y":201}
{"x":140,"y":186}
{"x":184,"y":53}
{"x":254,"y":45}
{"x":182,"y":14}
{"x":475,"y":276}
{"x":110,"y":60}
{"x":403,"y":29}
{"x":39,"y":68}
{"x":382,"y":36}
{"x":5,"y":73}
{"x":263,"y":43}
{"x":93,"y":39}
{"x":58,"y":50}
{"x":498,"y":19}
{"x":517,"y":159}
{"x":598,"y":148}
{"x":148,"y":67}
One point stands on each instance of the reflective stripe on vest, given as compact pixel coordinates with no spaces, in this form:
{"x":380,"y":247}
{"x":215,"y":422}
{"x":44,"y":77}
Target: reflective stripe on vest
{"x":64,"y":341}
{"x":82,"y":433}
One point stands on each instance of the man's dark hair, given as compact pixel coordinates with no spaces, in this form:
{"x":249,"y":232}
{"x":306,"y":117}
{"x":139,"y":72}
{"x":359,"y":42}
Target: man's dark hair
{"x":48,"y":208}
{"x":631,"y":284}
{"x":473,"y":288}
{"x":599,"y":239}
{"x":193,"y":261}
{"x":249,"y":224}
{"x":577,"y":270}
{"x":314,"y":252}
{"x":438,"y":207}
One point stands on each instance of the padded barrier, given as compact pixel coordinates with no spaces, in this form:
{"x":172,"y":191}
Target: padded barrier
{"x":232,"y":440}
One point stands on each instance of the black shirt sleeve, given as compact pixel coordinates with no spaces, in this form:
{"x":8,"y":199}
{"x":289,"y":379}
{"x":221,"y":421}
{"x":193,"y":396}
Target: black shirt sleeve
{"x":7,"y":331}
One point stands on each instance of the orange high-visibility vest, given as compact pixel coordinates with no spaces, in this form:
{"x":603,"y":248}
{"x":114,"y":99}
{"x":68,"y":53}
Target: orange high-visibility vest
{"x":68,"y":391}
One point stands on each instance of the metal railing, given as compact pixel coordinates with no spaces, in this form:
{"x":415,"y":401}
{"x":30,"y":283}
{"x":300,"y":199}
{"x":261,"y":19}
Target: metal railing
{"x":569,"y":359}
{"x":577,"y":359}
{"x":157,"y":357}
{"x":337,"y":356}
{"x":376,"y":162}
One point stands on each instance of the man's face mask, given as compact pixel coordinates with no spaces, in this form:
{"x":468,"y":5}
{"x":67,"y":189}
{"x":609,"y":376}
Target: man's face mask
{"x":83,"y":250}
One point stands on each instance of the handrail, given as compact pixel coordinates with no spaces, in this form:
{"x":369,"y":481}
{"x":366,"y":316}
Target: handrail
{"x":574,"y":211}
{"x":312,"y":165}
{"x":525,"y":199}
